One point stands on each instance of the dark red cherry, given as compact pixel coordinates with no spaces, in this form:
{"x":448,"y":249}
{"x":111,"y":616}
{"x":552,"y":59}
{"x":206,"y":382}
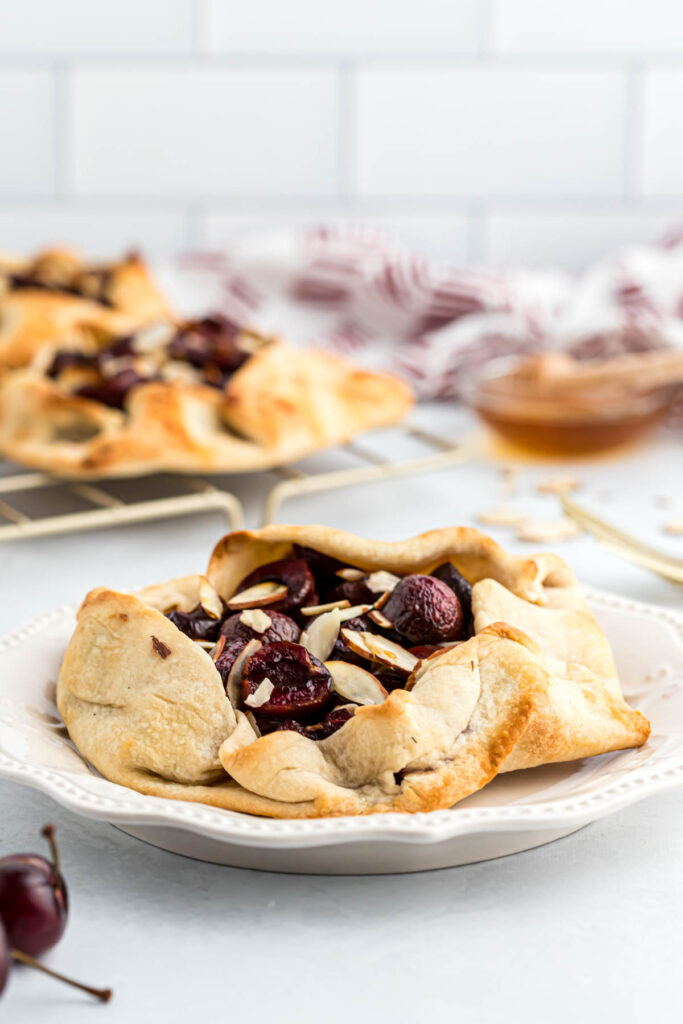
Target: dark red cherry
{"x":332,"y":721}
{"x":267,"y":723}
{"x":295,"y":575}
{"x":118,"y":349}
{"x":196,"y":624}
{"x":424,"y":610}
{"x":301,"y":682}
{"x":113,"y":391}
{"x":33,"y":899}
{"x":462,"y":589}
{"x":323,"y":567}
{"x":227,"y":658}
{"x":66,"y":360}
{"x":281,"y":628}
{"x":353,"y":591}
{"x":5,"y":959}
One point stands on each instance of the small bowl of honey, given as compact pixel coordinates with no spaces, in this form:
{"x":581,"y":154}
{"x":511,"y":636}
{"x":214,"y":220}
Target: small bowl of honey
{"x":553,"y":404}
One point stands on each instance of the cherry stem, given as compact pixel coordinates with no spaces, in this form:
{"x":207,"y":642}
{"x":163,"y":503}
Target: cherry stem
{"x":103,"y":994}
{"x":48,"y":832}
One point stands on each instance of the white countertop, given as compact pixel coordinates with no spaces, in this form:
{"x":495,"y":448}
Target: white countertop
{"x":588,"y":928}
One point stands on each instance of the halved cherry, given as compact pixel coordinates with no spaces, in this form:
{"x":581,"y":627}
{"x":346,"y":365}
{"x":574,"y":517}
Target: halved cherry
{"x":354,"y":591}
{"x":294,"y":574}
{"x":424,"y":610}
{"x":247,"y":625}
{"x":301,"y":683}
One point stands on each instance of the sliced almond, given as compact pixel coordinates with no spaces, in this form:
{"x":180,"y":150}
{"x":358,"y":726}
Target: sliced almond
{"x":253,"y":723}
{"x":318,"y":609}
{"x":261,"y":694}
{"x":255,"y":619}
{"x":558,"y":485}
{"x":549,"y":532}
{"x":208,"y":645}
{"x":382,"y":599}
{"x":209,"y":599}
{"x":351,"y":575}
{"x":320,"y":637}
{"x":378,"y":648}
{"x":258,"y":596}
{"x":381,"y":620}
{"x":355,"y":684}
{"x":501,"y":517}
{"x":153,"y":337}
{"x":235,"y":675}
{"x":381,"y":582}
{"x":674,"y":527}
{"x":217,"y":648}
{"x":355,"y":612}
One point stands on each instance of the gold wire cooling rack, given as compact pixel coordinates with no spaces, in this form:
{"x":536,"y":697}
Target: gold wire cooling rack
{"x":116,"y":502}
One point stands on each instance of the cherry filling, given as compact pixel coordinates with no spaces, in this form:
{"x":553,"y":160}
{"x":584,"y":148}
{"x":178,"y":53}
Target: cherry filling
{"x":295,"y":574}
{"x":301,"y":684}
{"x":353,"y":591}
{"x":424,"y":610}
{"x":196,"y":624}
{"x":210,"y":345}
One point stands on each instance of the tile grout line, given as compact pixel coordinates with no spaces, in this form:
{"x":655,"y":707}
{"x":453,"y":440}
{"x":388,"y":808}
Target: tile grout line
{"x":633,"y":130}
{"x":62,"y":128}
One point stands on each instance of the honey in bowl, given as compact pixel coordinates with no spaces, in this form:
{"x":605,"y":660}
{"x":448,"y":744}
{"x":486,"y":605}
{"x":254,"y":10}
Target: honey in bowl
{"x":554,"y":404}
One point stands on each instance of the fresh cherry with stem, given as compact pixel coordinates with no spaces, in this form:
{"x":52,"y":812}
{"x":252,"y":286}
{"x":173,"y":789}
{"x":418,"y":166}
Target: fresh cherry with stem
{"x":33,"y":899}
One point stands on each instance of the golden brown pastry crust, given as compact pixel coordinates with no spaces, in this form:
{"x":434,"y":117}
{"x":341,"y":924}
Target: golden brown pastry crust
{"x":282,"y":404}
{"x":33,"y":317}
{"x":540,"y":687}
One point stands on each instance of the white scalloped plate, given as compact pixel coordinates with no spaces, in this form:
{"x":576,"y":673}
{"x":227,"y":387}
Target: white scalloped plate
{"x":515,"y":812}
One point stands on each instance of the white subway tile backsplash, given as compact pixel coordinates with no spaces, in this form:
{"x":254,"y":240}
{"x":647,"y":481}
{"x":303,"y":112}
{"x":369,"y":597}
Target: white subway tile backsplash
{"x":348,"y":27}
{"x":445,"y":238}
{"x":68,"y":27}
{"x":571,"y":239}
{"x":588,"y":26}
{"x":27,"y":130}
{"x":193,"y":130}
{"x":489,"y":132}
{"x":661,"y":151}
{"x":97,"y":232}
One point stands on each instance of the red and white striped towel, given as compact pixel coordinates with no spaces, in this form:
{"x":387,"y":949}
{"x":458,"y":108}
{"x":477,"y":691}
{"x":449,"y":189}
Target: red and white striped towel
{"x":353,"y":289}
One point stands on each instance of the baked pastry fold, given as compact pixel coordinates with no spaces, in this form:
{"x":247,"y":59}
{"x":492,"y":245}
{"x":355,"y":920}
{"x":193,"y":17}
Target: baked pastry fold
{"x":58,"y":297}
{"x":535,"y":683}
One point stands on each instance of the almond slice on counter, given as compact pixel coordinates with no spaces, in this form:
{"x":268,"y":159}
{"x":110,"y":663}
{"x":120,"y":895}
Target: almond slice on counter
{"x":549,"y":532}
{"x":320,"y":637}
{"x":261,"y":694}
{"x":258,"y":596}
{"x":559,"y":485}
{"x":378,"y":648}
{"x":502,"y":516}
{"x":351,"y":575}
{"x":355,"y":684}
{"x":232,"y":687}
{"x":318,"y":609}
{"x":209,"y":599}
{"x":382,"y":582}
{"x":674,"y":527}
{"x":255,"y":619}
